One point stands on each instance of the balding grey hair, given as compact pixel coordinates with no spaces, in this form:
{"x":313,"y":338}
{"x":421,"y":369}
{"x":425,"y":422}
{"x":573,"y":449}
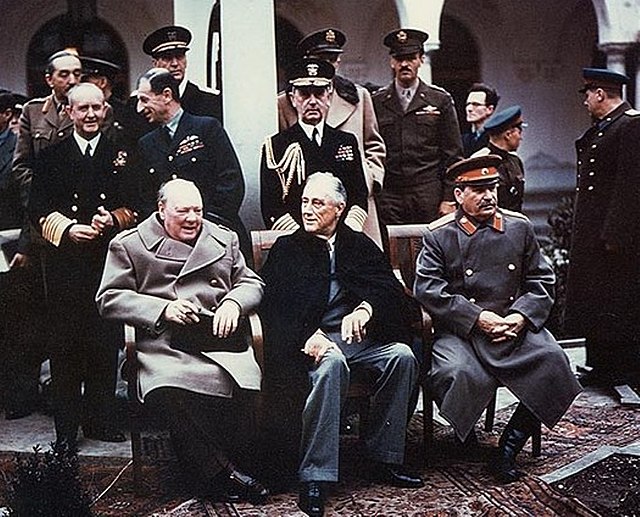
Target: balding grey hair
{"x":162,"y":192}
{"x":79,"y":88}
{"x":334,"y":188}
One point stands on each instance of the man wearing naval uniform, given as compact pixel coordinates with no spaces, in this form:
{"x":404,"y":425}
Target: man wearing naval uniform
{"x":604,"y":267}
{"x":309,"y":146}
{"x":189,"y":147}
{"x":482,"y":277}
{"x":351,"y":110}
{"x":78,"y":202}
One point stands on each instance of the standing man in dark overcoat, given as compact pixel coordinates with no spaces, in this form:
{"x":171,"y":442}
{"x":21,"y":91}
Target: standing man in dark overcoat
{"x":604,"y":268}
{"x":190,"y":147}
{"x":78,"y":202}
{"x":308,"y":146}
{"x":482,"y":277}
{"x":333,"y":310}
{"x":419,"y":125}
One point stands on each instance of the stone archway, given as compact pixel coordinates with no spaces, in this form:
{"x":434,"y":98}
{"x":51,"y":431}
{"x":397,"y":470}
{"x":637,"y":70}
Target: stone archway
{"x":93,"y":37}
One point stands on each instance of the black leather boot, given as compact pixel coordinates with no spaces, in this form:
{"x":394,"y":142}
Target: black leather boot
{"x":511,"y":443}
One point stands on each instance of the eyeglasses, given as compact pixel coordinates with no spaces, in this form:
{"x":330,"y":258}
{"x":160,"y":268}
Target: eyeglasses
{"x":475,"y":104}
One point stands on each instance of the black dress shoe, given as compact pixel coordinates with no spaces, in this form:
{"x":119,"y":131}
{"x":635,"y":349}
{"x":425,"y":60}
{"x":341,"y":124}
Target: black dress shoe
{"x":241,"y":486}
{"x":103,"y":433}
{"x":595,"y":379}
{"x":396,"y":475}
{"x":311,"y":498}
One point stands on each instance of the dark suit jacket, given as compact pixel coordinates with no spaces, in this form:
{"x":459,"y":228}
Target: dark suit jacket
{"x":339,"y":154}
{"x":11,"y":209}
{"x":200,"y":151}
{"x":297,"y":280}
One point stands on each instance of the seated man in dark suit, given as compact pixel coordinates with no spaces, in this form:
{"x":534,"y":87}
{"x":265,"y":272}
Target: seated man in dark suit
{"x":167,"y":277}
{"x":191,"y":147}
{"x":332,"y":309}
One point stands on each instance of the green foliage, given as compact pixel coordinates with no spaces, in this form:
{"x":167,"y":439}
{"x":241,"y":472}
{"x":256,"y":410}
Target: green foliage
{"x":557,"y":250}
{"x":47,"y":484}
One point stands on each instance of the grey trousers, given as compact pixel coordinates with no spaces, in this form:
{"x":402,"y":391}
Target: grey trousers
{"x":395,"y":371}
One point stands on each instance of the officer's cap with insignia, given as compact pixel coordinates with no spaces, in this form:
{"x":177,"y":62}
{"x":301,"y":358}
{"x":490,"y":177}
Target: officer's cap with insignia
{"x":602,"y":78}
{"x":505,"y":119}
{"x":311,"y":72}
{"x":165,"y":39}
{"x":481,"y":170}
{"x":324,"y":41}
{"x":403,"y":42}
{"x":95,"y":67}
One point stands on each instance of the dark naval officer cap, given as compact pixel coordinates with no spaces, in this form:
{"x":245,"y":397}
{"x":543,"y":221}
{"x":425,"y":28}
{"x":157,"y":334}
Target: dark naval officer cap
{"x":481,"y":170}
{"x":324,"y":41}
{"x":93,"y":66}
{"x":503,"y":120}
{"x":311,"y":72}
{"x":602,"y":78}
{"x":402,"y":42}
{"x":165,"y":39}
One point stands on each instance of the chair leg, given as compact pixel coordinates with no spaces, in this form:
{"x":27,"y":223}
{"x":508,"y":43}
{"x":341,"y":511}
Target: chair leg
{"x":427,"y":426}
{"x":490,"y":414}
{"x":536,"y":441}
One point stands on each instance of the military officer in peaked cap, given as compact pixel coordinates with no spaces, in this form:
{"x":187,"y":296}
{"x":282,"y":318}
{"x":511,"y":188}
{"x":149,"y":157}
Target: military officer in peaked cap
{"x":483,"y":279}
{"x":351,"y":110}
{"x":168,"y":47}
{"x":505,"y":134}
{"x":420,"y":128}
{"x":604,"y":271}
{"x":310,"y":145}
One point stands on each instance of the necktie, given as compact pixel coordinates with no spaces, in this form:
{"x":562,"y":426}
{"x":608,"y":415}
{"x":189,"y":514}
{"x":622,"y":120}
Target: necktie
{"x":315,"y":136}
{"x":334,"y":287}
{"x":167,"y":135}
{"x":405,"y":98}
{"x":87,"y":151}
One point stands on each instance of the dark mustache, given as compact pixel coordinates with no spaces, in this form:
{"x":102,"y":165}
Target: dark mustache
{"x":487,"y":203}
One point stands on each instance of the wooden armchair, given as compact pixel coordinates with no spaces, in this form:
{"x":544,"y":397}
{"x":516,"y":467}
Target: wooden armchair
{"x":405,"y":242}
{"x":136,"y":409}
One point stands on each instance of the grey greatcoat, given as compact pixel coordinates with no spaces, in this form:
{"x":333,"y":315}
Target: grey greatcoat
{"x":465,"y":268}
{"x":146,"y":269}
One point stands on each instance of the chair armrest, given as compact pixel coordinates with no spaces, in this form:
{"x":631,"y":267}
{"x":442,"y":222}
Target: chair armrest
{"x":257,"y":337}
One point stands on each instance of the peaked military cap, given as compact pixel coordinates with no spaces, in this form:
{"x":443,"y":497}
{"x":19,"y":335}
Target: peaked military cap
{"x":93,"y":66}
{"x":481,"y":170}
{"x":503,"y":120}
{"x":312,"y":72}
{"x":7,"y":100}
{"x":601,"y":78}
{"x":328,"y":41}
{"x":165,"y":39}
{"x":402,"y":42}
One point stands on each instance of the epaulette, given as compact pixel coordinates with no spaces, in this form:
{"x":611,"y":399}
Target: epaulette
{"x":481,"y":152}
{"x":512,"y":213}
{"x":632,"y":112}
{"x":445,"y":219}
{"x":36,"y":100}
{"x":346,"y":89}
{"x":439,"y":89}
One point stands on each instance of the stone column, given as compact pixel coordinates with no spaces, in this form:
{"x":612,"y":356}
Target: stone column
{"x":616,"y":58}
{"x":249,"y":89}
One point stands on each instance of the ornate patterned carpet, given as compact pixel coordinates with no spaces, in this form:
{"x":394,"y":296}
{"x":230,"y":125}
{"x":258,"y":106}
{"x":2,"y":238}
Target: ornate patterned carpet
{"x":455,"y":485}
